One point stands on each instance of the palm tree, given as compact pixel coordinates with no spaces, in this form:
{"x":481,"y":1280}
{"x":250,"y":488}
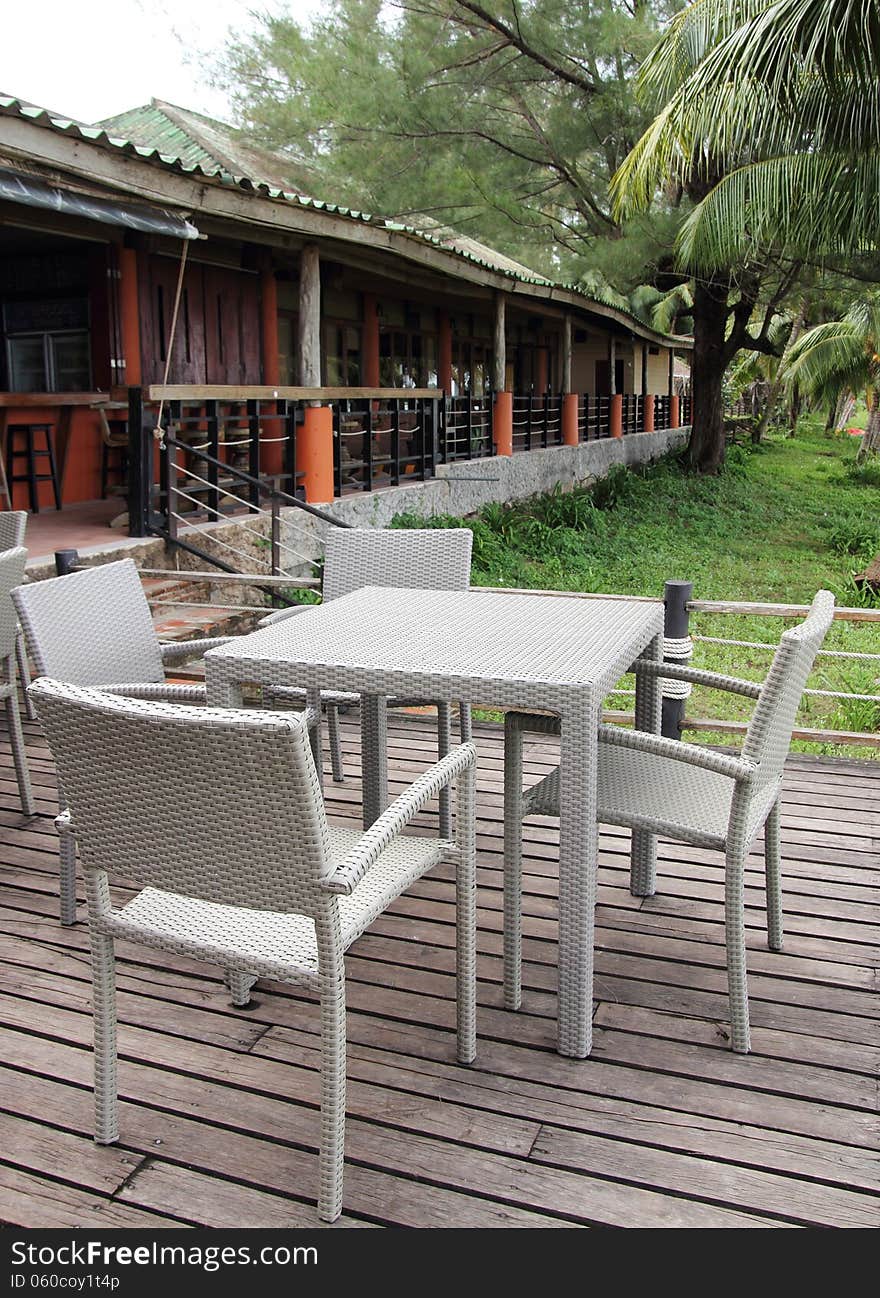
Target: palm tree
{"x":841,"y":357}
{"x":769,"y":123}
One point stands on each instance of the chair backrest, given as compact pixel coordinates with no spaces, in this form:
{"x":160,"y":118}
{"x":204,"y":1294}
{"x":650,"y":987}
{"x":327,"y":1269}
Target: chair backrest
{"x":426,"y":559}
{"x":210,"y":803}
{"x":12,"y":563}
{"x":13,"y":523}
{"x":91,"y":627}
{"x":768,"y":737}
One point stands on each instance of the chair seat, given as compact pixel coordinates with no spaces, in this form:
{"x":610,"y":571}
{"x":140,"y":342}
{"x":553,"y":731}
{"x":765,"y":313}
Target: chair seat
{"x":644,"y":791}
{"x":262,"y":942}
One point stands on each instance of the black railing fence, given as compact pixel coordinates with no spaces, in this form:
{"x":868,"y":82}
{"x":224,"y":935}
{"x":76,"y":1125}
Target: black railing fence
{"x":237,"y":451}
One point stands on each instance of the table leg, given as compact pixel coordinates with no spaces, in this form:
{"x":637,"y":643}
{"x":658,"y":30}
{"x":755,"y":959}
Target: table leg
{"x":221,"y":693}
{"x":374,"y":756}
{"x":313,"y":705}
{"x":578,"y":863}
{"x":643,"y":859}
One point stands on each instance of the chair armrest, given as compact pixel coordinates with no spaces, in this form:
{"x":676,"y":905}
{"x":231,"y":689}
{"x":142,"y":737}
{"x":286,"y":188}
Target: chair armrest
{"x":539,"y":723}
{"x":190,"y":648}
{"x":393,"y":819}
{"x":737,"y":768}
{"x":714,"y":681}
{"x":158,"y":692}
{"x":282,"y":614}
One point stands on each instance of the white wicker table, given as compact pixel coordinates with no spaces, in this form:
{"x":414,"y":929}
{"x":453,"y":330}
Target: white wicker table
{"x":539,"y":652}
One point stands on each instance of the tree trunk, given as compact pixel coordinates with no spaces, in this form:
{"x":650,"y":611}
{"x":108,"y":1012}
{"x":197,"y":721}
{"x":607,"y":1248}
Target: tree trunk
{"x":871,"y":441}
{"x":705,"y":451}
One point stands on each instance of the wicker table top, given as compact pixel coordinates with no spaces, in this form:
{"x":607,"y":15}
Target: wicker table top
{"x":512,"y":650}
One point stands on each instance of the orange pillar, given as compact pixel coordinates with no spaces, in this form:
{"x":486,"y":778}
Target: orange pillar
{"x":674,"y":412}
{"x":314,"y":454}
{"x":503,"y":423}
{"x":570,"y":435}
{"x":271,"y":452}
{"x":371,"y":342}
{"x":129,"y":312}
{"x":444,"y":352}
{"x":617,"y":415}
{"x":649,"y":412}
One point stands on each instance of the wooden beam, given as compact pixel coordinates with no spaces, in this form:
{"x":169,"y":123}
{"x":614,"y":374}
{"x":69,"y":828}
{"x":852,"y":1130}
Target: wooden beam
{"x":566,"y":353}
{"x":253,"y":392}
{"x":779,"y":610}
{"x":499,"y":357}
{"x":309,"y":337}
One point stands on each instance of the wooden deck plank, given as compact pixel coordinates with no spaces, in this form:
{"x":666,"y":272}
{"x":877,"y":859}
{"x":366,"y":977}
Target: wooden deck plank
{"x":662,"y":1126}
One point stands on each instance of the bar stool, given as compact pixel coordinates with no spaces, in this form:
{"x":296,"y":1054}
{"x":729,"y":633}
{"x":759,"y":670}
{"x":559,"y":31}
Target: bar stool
{"x":31,"y":453}
{"x":114,"y":456}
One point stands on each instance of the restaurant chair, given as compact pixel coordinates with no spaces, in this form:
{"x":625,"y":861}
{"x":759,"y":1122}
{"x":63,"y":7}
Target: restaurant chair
{"x":12,"y":564}
{"x":94,"y":628}
{"x":217,"y":816}
{"x":23,"y":443}
{"x":419,"y":558}
{"x":13,"y":525}
{"x":683,"y":791}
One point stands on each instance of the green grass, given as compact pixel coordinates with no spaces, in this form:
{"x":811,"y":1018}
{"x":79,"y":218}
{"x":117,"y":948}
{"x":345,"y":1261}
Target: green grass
{"x":781,"y":521}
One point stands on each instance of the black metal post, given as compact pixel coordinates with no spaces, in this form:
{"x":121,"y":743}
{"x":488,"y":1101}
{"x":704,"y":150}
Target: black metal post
{"x":676,"y":622}
{"x":65,"y":562}
{"x":140,"y":466}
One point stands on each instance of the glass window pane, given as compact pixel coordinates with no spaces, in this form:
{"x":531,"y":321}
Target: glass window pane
{"x":70,"y":362}
{"x":27,"y":366}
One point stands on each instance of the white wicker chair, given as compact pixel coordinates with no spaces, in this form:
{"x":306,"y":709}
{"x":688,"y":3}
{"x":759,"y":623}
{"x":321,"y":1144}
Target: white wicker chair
{"x":94,"y":628}
{"x":218,"y":816}
{"x":686,"y":792}
{"x":421,"y":559}
{"x":12,"y":562}
{"x":13,"y":525}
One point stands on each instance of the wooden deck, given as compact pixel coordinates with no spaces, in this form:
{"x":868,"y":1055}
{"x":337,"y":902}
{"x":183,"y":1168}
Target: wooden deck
{"x":663,"y":1126}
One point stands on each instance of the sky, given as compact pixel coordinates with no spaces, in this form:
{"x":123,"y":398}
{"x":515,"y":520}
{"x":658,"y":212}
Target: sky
{"x":91,"y":59}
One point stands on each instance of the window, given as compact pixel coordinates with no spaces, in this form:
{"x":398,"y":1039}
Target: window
{"x":471,"y":368}
{"x":342,"y":355}
{"x":47,"y":345}
{"x":407,"y":359}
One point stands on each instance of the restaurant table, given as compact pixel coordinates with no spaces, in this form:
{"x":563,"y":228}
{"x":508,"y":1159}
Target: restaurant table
{"x":546,"y":653}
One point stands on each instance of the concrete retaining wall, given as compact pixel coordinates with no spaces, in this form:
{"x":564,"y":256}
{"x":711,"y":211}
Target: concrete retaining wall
{"x":464,"y":487}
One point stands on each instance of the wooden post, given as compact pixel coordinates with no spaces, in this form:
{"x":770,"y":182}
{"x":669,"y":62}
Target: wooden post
{"x":616,"y":414}
{"x":648,"y":412}
{"x":566,"y":354}
{"x":271,"y":455}
{"x":370,"y":377}
{"x":502,"y":423}
{"x":309,"y":340}
{"x":444,"y":352}
{"x":499,"y":363}
{"x":676,"y":621}
{"x":314,"y":454}
{"x":671,"y":372}
{"x":570,"y":431}
{"x":644,"y":369}
{"x":612,"y":363}
{"x":129,"y":311}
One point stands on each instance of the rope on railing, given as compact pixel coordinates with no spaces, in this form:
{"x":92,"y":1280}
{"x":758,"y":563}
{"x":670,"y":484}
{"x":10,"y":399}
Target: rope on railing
{"x":760,"y":644}
{"x":677,"y":649}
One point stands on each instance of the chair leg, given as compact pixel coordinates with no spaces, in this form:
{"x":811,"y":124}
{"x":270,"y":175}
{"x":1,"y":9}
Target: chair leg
{"x":335,"y":739}
{"x":53,"y":467}
{"x":735,"y":936}
{"x":104,"y":985}
{"x":16,"y":739}
{"x":24,"y":674}
{"x":444,"y":743}
{"x":773,"y":871}
{"x":466,"y":917}
{"x":67,"y":879}
{"x":239,"y":985}
{"x":513,"y":818}
{"x":331,"y":1153}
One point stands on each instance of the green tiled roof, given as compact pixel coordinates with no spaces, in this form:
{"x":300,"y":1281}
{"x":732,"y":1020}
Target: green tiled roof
{"x":186,"y":142}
